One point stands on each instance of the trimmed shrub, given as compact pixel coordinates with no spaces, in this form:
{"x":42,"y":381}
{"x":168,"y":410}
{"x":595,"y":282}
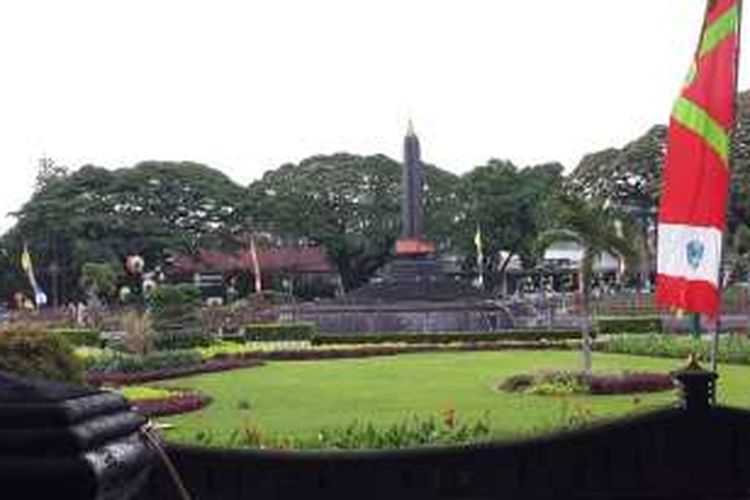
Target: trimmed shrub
{"x":559,"y":383}
{"x":280,"y":331}
{"x":627,"y":383}
{"x":128,"y":363}
{"x":33,"y":352}
{"x":638,"y":324}
{"x":172,"y":405}
{"x":79,"y":337}
{"x":445,"y":338}
{"x":447,"y":428}
{"x":152,"y":402}
{"x":731,"y":349}
{"x":183,"y":339}
{"x":214,"y":365}
{"x":176,"y":317}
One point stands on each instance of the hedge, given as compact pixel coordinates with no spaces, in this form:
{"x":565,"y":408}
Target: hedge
{"x":181,"y":339}
{"x":31,"y":351}
{"x":280,"y":331}
{"x":445,"y":338}
{"x":79,"y":337}
{"x":636,"y":324}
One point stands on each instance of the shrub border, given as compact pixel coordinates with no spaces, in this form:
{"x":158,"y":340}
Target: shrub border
{"x":209,"y":366}
{"x":180,"y":402}
{"x":225,"y":362}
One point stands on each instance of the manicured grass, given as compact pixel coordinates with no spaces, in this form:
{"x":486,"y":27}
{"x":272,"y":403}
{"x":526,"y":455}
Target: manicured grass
{"x":300,"y":398}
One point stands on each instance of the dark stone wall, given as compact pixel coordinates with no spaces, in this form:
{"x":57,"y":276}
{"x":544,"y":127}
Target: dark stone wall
{"x":673,"y":453}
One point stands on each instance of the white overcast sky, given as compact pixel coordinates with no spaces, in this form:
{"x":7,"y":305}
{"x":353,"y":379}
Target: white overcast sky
{"x":245,"y":86}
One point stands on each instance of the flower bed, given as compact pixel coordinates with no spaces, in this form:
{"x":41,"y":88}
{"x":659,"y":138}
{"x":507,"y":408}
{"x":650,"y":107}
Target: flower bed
{"x":731,"y":349}
{"x":209,"y":366}
{"x":179,"y":403}
{"x":157,"y":402}
{"x":559,"y":383}
{"x":121,"y":369}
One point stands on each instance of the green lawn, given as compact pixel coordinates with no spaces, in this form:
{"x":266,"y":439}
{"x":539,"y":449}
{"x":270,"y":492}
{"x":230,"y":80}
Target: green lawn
{"x":298,"y":398}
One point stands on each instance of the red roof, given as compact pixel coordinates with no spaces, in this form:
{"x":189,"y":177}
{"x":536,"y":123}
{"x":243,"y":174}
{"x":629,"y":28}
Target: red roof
{"x":291,"y":259}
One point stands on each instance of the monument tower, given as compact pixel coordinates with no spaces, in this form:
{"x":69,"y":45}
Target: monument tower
{"x":416,"y":290}
{"x":412,"y":242}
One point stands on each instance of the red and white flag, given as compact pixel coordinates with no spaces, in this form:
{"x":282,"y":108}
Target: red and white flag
{"x":692,"y":215}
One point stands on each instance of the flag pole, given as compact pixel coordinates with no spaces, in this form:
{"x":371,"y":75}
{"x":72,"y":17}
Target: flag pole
{"x":717,"y":323}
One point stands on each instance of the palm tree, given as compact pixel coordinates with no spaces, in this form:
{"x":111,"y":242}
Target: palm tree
{"x":597,"y":229}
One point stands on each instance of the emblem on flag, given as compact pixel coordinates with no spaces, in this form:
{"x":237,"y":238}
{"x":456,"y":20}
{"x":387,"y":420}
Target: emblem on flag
{"x":695,"y":250}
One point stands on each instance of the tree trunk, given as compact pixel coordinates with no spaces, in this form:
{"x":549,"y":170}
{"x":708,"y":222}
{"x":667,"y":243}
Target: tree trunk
{"x":586,"y":268}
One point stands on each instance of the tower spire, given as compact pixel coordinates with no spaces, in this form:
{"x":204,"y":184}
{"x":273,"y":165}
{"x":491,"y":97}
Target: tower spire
{"x":410,"y":128}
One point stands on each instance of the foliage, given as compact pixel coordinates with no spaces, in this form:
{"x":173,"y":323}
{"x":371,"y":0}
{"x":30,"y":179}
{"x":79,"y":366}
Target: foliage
{"x":507,"y":203}
{"x":12,"y":277}
{"x":99,"y":280}
{"x":627,"y":177}
{"x":100,"y":215}
{"x":139,"y":372}
{"x":412,"y":432}
{"x":176,"y":312}
{"x":130,"y":363}
{"x":280,"y":331}
{"x":172,"y":405}
{"x":415,"y":431}
{"x":143,"y":392}
{"x":31,"y":351}
{"x":444,"y":337}
{"x":562,"y":383}
{"x":156,"y":402}
{"x":347,"y":203}
{"x":631,"y":324}
{"x":731,"y":349}
{"x":79,"y":336}
{"x":139,"y":335}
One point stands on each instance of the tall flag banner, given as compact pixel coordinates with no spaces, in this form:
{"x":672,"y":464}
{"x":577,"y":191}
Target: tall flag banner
{"x":40,"y":298}
{"x":692,"y":215}
{"x":480,"y":254}
{"x":256,"y":266}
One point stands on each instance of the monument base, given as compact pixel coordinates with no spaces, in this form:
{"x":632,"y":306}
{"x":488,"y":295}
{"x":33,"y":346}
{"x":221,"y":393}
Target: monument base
{"x":414,"y":276}
{"x":414,"y":247}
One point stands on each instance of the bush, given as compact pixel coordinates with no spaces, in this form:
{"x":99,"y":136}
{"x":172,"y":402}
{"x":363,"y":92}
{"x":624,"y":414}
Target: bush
{"x":139,"y":334}
{"x":129,"y":363}
{"x":31,"y":351}
{"x":280,"y":331}
{"x":638,"y":324}
{"x":560,"y":383}
{"x":183,"y":339}
{"x":628,"y":383}
{"x":445,"y":338}
{"x":443,"y":429}
{"x":731,"y":349}
{"x":152,"y":402}
{"x":79,"y":337}
{"x":176,"y":316}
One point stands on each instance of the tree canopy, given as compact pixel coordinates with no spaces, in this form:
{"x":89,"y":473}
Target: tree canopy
{"x":349,"y":204}
{"x":100,"y":215}
{"x":507,"y":203}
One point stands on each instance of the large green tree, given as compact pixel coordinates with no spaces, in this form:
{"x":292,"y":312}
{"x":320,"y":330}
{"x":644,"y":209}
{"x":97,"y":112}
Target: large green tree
{"x":100,"y":215}
{"x":350,"y":205}
{"x":507,"y":203}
